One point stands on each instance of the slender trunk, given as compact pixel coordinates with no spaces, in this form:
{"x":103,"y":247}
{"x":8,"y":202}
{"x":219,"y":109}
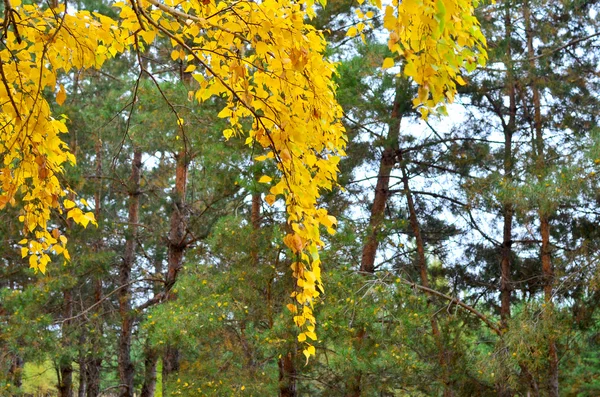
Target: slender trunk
{"x":175,"y":252}
{"x":15,"y":371}
{"x":255,"y":221}
{"x":82,"y":365}
{"x":65,"y":364}
{"x":507,"y":208}
{"x":382,"y":193}
{"x":150,"y":364}
{"x":65,"y":385}
{"x":546,"y":250}
{"x":176,"y":244}
{"x":382,"y":189}
{"x":92,"y":377}
{"x":125,"y":366}
{"x":287,"y":376}
{"x":93,"y":362}
{"x":151,"y":356}
{"x":422,"y":264}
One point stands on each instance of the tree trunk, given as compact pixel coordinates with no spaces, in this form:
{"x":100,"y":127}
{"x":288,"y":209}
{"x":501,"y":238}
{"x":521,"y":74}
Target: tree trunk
{"x":287,"y":376}
{"x":175,"y":252}
{"x":92,"y":377}
{"x":545,"y":250}
{"x":151,"y":356}
{"x":176,"y":244}
{"x":15,"y":372}
{"x":255,"y":221}
{"x":422,"y":264}
{"x":93,"y":362}
{"x":65,"y":379}
{"x":65,"y":364}
{"x":125,"y":366}
{"x":150,"y":363}
{"x":82,"y":365}
{"x":382,"y":189}
{"x":382,"y":193}
{"x":507,"y":207}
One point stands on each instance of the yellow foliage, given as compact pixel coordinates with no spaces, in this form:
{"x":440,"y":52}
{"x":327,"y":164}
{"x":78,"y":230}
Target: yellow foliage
{"x":283,"y":87}
{"x":437,"y":41}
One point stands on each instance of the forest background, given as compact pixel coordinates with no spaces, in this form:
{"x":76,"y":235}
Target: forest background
{"x":465,"y":257}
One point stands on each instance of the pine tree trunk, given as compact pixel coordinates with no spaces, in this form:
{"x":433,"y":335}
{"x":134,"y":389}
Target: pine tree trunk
{"x":65,"y":365}
{"x":151,"y":356}
{"x":422,"y":264}
{"x":552,"y":385}
{"x":287,"y":376}
{"x":382,"y":190}
{"x":93,"y":362}
{"x":65,"y":384}
{"x":175,"y":252}
{"x":125,"y":366}
{"x":15,"y":372}
{"x":150,"y":364}
{"x":82,"y":364}
{"x":255,"y":221}
{"x":92,"y":377}
{"x":382,"y":193}
{"x":507,"y":208}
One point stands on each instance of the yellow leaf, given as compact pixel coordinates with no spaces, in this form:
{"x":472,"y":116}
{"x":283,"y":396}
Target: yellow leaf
{"x":68,"y":204}
{"x":33,"y":262}
{"x":270,"y":199}
{"x":309,"y":351}
{"x":61,"y":96}
{"x":261,"y":48}
{"x":387,"y":63}
{"x":265,"y":179}
{"x":352,"y":31}
{"x":460,"y":80}
{"x":227,"y":133}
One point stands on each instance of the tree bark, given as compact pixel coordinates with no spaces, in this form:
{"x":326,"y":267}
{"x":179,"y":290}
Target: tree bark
{"x":382,"y":193}
{"x":287,"y":376}
{"x":382,"y":189}
{"x":92,"y":377}
{"x":546,"y":249}
{"x":65,"y":365}
{"x":175,"y":252}
{"x":15,"y":372}
{"x":92,"y":364}
{"x":507,"y":207}
{"x":422,"y":265}
{"x":82,"y":365}
{"x":150,"y":364}
{"x":255,"y":221}
{"x":125,"y":366}
{"x":65,"y":379}
{"x":151,"y":356}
